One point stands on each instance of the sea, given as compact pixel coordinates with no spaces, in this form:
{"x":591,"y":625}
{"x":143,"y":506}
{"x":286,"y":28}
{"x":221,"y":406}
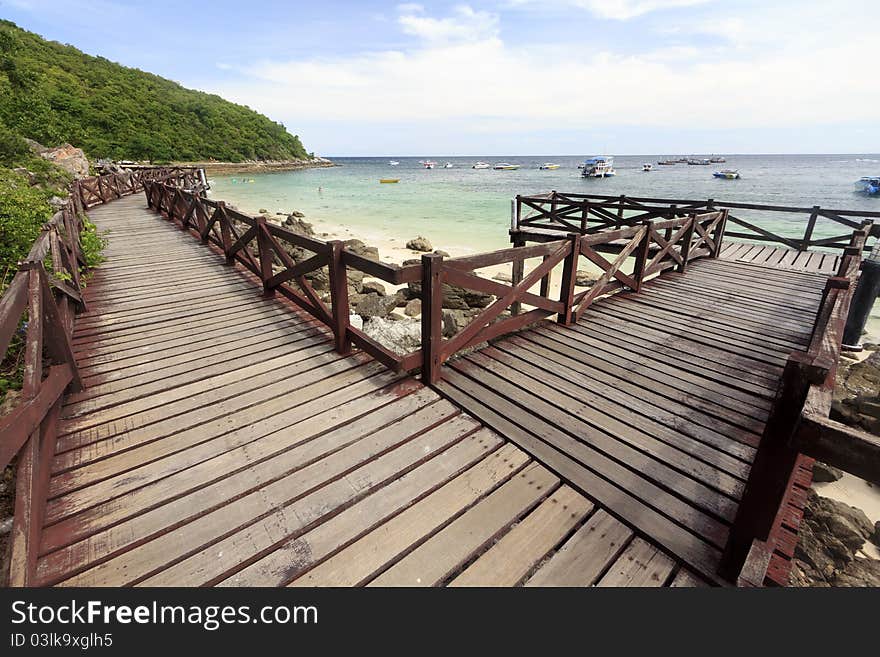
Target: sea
{"x":470,"y":208}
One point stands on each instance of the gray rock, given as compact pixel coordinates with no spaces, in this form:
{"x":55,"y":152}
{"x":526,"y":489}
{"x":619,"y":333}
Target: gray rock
{"x":400,"y":336}
{"x":373,"y":287}
{"x":359,"y":248}
{"x":860,"y":572}
{"x":69,"y":158}
{"x":420,"y":244}
{"x":454,"y":297}
{"x":295,"y":223}
{"x":875,"y":537}
{"x":455,"y":320}
{"x":296,"y":214}
{"x":413,"y":308}
{"x":57,"y":202}
{"x":264,"y":211}
{"x":372,"y":305}
{"x":856,"y":393}
{"x":441,"y":252}
{"x":503,"y":277}
{"x":824,"y":473}
{"x":356,"y":321}
{"x":585,"y":278}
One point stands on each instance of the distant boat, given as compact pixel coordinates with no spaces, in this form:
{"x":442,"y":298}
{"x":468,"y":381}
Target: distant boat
{"x":394,"y":163}
{"x":727,"y":174}
{"x":448,"y":165}
{"x":717,"y":159}
{"x":428,"y":164}
{"x":647,"y":166}
{"x":504,"y":166}
{"x":869,"y":185}
{"x":601,"y":166}
{"x":389,"y":180}
{"x":682,"y":160}
{"x":482,"y":165}
{"x":548,"y":165}
{"x":700,"y":161}
{"x":667,"y":162}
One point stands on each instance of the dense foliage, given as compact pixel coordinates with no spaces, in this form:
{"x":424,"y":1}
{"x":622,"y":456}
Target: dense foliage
{"x":54,"y":93}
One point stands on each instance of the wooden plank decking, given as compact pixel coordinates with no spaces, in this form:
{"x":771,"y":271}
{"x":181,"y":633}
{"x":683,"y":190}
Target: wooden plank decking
{"x":781,"y":257}
{"x":221,"y":440}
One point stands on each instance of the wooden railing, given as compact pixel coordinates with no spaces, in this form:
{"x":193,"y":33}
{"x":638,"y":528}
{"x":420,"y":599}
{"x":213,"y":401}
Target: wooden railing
{"x":798,"y":423}
{"x":260,"y":247}
{"x":48,"y":288}
{"x":585,"y":213}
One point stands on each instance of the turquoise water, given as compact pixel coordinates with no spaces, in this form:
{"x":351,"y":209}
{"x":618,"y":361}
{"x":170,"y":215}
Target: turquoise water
{"x":467,"y":207}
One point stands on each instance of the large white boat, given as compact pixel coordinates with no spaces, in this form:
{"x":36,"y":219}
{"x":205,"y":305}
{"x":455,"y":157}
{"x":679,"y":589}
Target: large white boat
{"x":481,"y":165}
{"x":504,"y":166}
{"x":601,"y":166}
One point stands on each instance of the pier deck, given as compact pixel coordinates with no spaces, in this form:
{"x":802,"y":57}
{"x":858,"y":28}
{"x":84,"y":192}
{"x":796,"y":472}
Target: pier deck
{"x":220,"y":440}
{"x":226,"y":438}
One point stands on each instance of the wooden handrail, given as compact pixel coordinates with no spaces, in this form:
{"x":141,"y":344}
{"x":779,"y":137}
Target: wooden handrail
{"x":584,"y":213}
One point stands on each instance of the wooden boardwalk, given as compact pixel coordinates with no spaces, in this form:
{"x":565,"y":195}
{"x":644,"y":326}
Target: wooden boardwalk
{"x":781,"y":257}
{"x":220,"y":440}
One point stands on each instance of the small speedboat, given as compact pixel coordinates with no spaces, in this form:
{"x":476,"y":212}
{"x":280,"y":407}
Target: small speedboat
{"x":504,"y":166}
{"x":428,"y":164}
{"x":394,"y":163}
{"x":448,"y":165}
{"x":548,"y":166}
{"x":647,"y":166}
{"x":869,"y":185}
{"x":727,"y":174}
{"x":482,"y":165}
{"x":389,"y":180}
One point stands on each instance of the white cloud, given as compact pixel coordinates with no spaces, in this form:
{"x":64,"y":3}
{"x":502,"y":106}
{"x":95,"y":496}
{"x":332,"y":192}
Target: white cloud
{"x":463,"y":72}
{"x":465,"y":24}
{"x":618,"y":9}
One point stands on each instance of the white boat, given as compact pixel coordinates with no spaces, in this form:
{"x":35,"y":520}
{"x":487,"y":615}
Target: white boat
{"x":428,"y":164}
{"x":601,"y":166}
{"x":482,"y":165}
{"x":727,"y":174}
{"x":394,"y":163}
{"x":448,"y":165}
{"x":647,"y":166}
{"x":504,"y":166}
{"x":548,"y":166}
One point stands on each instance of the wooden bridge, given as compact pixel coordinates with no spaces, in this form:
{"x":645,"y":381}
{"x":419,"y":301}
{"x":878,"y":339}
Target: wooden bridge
{"x":219,"y":428}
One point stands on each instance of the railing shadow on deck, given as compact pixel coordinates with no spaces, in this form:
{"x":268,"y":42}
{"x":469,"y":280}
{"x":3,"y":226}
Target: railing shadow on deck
{"x":48,"y":289}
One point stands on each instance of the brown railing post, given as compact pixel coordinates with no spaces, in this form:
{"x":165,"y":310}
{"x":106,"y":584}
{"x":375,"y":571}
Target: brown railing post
{"x":339,"y":296}
{"x":718,"y":234}
{"x":772,"y":467}
{"x":432,"y":316}
{"x":569,"y":277}
{"x":225,"y":234}
{"x":516,"y":276}
{"x":264,"y":244}
{"x":808,"y":232}
{"x":686,"y":240}
{"x":642,"y":256}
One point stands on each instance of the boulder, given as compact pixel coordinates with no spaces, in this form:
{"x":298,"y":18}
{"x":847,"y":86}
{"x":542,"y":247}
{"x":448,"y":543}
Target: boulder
{"x":372,"y":305}
{"x":441,"y":252}
{"x":373,"y":287}
{"x":69,"y":158}
{"x":400,"y":336}
{"x":413,"y":308}
{"x":454,"y":297}
{"x":585,"y":278}
{"x":297,"y":225}
{"x":860,"y":572}
{"x":857,"y":393}
{"x":359,"y":248}
{"x":296,"y":214}
{"x":455,"y":320}
{"x":57,"y":202}
{"x":825,"y":473}
{"x":420,"y":244}
{"x":264,"y":211}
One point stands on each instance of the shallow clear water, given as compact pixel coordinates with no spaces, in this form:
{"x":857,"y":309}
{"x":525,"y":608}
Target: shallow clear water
{"x":470,"y":208}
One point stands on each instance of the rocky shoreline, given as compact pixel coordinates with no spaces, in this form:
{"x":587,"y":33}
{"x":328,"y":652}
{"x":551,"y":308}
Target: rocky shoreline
{"x":259,"y":166}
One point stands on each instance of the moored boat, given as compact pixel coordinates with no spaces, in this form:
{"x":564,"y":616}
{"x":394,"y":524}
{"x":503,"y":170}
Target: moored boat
{"x":389,"y":180}
{"x":667,"y":163}
{"x":601,"y":166}
{"x":448,"y":165}
{"x":394,"y":163}
{"x":717,"y":159}
{"x":481,"y":165}
{"x":548,"y":165}
{"x":504,"y":166}
{"x":699,"y":161}
{"x":869,"y":185}
{"x":728,"y":174}
{"x":428,"y":164}
{"x":647,"y":166}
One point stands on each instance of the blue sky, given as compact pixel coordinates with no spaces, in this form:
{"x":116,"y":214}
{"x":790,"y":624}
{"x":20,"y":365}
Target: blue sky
{"x":510,"y":76}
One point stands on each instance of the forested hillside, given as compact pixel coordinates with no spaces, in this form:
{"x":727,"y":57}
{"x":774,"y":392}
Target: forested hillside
{"x":54,"y":93}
